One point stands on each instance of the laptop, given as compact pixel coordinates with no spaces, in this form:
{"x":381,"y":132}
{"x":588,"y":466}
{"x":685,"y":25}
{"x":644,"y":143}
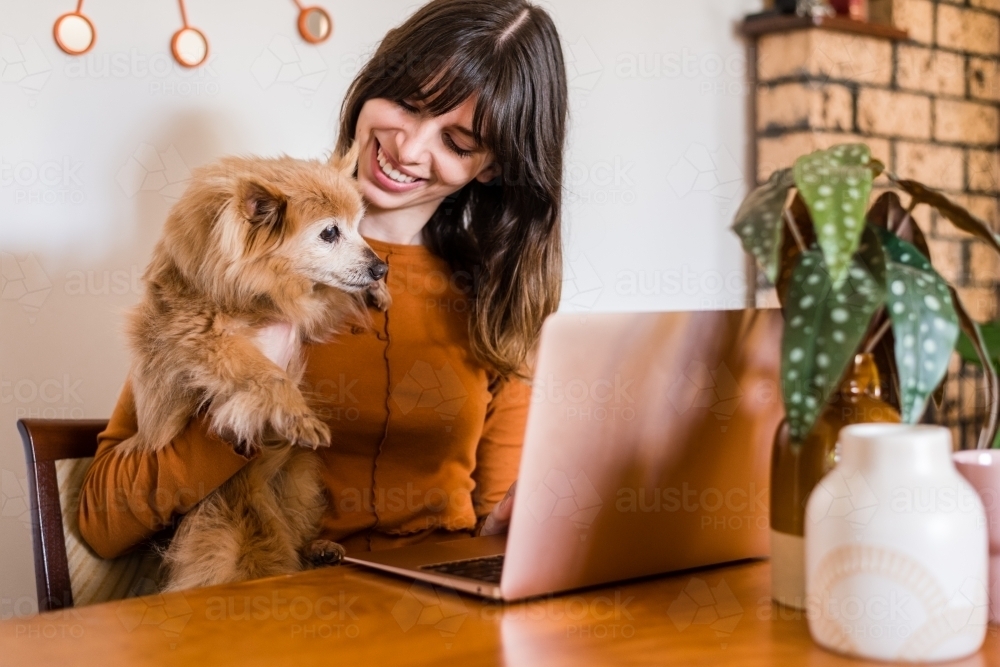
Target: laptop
{"x":647,"y":450}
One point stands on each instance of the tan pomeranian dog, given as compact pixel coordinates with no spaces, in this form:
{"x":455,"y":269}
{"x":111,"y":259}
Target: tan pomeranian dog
{"x":252,"y":242}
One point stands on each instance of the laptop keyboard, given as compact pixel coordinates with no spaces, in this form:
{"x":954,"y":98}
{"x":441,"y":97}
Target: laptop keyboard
{"x":486,"y":569}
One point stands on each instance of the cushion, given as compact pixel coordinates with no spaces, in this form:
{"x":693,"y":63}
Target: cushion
{"x":92,"y":578}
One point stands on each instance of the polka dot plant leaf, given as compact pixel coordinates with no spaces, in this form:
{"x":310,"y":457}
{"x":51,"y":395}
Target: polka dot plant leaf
{"x":924,"y":323}
{"x":758,"y":222}
{"x":835,"y":184}
{"x":824,"y":325}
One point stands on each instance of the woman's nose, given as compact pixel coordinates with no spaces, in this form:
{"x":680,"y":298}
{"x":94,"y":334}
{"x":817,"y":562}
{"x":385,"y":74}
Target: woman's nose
{"x":414,"y":143}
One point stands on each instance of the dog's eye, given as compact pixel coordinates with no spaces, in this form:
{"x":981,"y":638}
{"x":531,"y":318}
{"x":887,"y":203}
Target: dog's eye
{"x":330,"y":234}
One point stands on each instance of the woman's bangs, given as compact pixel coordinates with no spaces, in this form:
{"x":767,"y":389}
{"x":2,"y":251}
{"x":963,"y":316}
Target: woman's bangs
{"x":442,"y":83}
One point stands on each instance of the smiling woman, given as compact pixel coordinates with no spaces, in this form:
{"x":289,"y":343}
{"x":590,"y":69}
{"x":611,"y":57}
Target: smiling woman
{"x":459,"y":121}
{"x":469,"y":100}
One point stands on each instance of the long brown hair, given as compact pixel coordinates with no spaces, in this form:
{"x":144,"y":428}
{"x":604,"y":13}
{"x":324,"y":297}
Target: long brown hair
{"x":505,"y":233}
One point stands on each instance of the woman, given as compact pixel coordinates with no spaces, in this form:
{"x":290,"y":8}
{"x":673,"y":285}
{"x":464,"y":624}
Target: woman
{"x":460,"y":117}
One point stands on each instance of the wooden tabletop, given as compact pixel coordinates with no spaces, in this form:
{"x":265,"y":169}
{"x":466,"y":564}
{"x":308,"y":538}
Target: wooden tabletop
{"x":349,"y":616}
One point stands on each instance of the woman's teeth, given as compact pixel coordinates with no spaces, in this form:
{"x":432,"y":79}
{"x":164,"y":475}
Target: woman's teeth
{"x":390,"y":172}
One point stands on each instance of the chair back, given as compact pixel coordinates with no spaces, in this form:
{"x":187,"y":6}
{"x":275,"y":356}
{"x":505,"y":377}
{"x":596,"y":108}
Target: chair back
{"x":45,"y":442}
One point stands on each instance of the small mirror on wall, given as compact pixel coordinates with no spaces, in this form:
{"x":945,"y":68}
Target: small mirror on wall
{"x":189,"y":45}
{"x":73,"y":32}
{"x":315,"y":25}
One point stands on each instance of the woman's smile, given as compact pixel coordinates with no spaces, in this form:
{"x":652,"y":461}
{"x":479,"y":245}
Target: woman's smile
{"x":413,"y":160}
{"x":389,"y":174}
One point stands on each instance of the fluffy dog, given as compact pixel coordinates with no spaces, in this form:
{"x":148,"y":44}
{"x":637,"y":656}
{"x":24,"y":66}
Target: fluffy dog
{"x":252,"y":242}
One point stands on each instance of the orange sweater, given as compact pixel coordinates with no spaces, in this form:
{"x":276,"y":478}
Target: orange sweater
{"x":421,"y":447}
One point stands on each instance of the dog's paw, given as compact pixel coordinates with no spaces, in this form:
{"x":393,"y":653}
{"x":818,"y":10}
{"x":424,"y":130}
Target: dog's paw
{"x":308,"y":431}
{"x":378,"y":295}
{"x":324,"y":552}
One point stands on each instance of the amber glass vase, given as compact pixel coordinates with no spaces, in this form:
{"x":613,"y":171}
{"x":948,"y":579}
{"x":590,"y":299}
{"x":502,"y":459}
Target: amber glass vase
{"x":796,"y":469}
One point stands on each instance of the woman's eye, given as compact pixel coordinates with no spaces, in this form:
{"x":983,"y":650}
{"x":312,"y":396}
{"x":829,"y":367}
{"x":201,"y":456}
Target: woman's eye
{"x":406,"y":106}
{"x":461,"y":152}
{"x":330,"y":234}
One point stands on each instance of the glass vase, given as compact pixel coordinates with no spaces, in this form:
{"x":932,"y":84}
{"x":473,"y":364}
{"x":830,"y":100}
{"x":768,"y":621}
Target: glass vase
{"x":796,"y":469}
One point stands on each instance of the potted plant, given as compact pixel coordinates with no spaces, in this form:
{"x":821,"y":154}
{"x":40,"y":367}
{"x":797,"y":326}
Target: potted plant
{"x":870,"y":326}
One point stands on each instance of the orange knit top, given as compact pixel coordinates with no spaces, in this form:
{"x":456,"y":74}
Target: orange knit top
{"x":424,"y":444}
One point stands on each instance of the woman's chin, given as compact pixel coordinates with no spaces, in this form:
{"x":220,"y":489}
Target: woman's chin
{"x":378,"y":197}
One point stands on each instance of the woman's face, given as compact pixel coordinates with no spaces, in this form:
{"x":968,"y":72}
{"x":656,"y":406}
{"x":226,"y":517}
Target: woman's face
{"x":409,"y":158}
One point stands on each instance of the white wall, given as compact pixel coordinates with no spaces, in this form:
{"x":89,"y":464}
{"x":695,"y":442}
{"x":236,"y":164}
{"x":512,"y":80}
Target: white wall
{"x":93,"y":151}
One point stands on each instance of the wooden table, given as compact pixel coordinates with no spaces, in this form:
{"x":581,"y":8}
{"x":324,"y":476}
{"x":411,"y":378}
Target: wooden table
{"x":348,"y":616}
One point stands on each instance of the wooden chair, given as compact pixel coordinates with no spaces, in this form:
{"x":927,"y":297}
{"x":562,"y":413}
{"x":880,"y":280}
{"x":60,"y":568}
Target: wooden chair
{"x":45,"y":442}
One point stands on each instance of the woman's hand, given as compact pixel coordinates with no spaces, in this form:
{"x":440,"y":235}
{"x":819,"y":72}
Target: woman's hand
{"x":498,"y":520}
{"x":278,"y":343}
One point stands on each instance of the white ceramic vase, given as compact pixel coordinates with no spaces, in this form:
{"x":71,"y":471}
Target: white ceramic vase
{"x":896,"y":549}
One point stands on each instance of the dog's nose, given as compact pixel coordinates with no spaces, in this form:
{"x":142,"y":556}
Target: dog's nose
{"x":378,"y":270}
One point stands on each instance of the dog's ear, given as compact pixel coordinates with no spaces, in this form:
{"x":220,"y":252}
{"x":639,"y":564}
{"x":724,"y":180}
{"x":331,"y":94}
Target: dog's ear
{"x":346,"y":164}
{"x":262,"y":206}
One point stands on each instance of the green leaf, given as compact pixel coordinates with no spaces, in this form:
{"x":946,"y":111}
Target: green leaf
{"x":870,"y":252}
{"x":923,"y":320}
{"x":990,"y":333}
{"x":987,"y":437}
{"x":824,"y":324}
{"x":836,"y":184}
{"x":959,"y":216}
{"x":796,"y":214}
{"x":758,"y":222}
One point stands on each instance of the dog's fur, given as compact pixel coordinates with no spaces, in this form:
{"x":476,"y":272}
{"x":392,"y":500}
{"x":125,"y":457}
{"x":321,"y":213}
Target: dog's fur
{"x":252,"y":242}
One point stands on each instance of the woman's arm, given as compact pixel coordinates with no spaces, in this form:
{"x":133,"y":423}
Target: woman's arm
{"x":498,"y":455}
{"x":125,"y":499}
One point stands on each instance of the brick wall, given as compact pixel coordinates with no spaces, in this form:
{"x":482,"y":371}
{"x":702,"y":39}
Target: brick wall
{"x":929,"y":107}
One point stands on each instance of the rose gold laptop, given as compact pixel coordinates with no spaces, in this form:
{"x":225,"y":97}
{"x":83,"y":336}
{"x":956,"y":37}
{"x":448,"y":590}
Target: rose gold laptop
{"x":647,"y":450}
